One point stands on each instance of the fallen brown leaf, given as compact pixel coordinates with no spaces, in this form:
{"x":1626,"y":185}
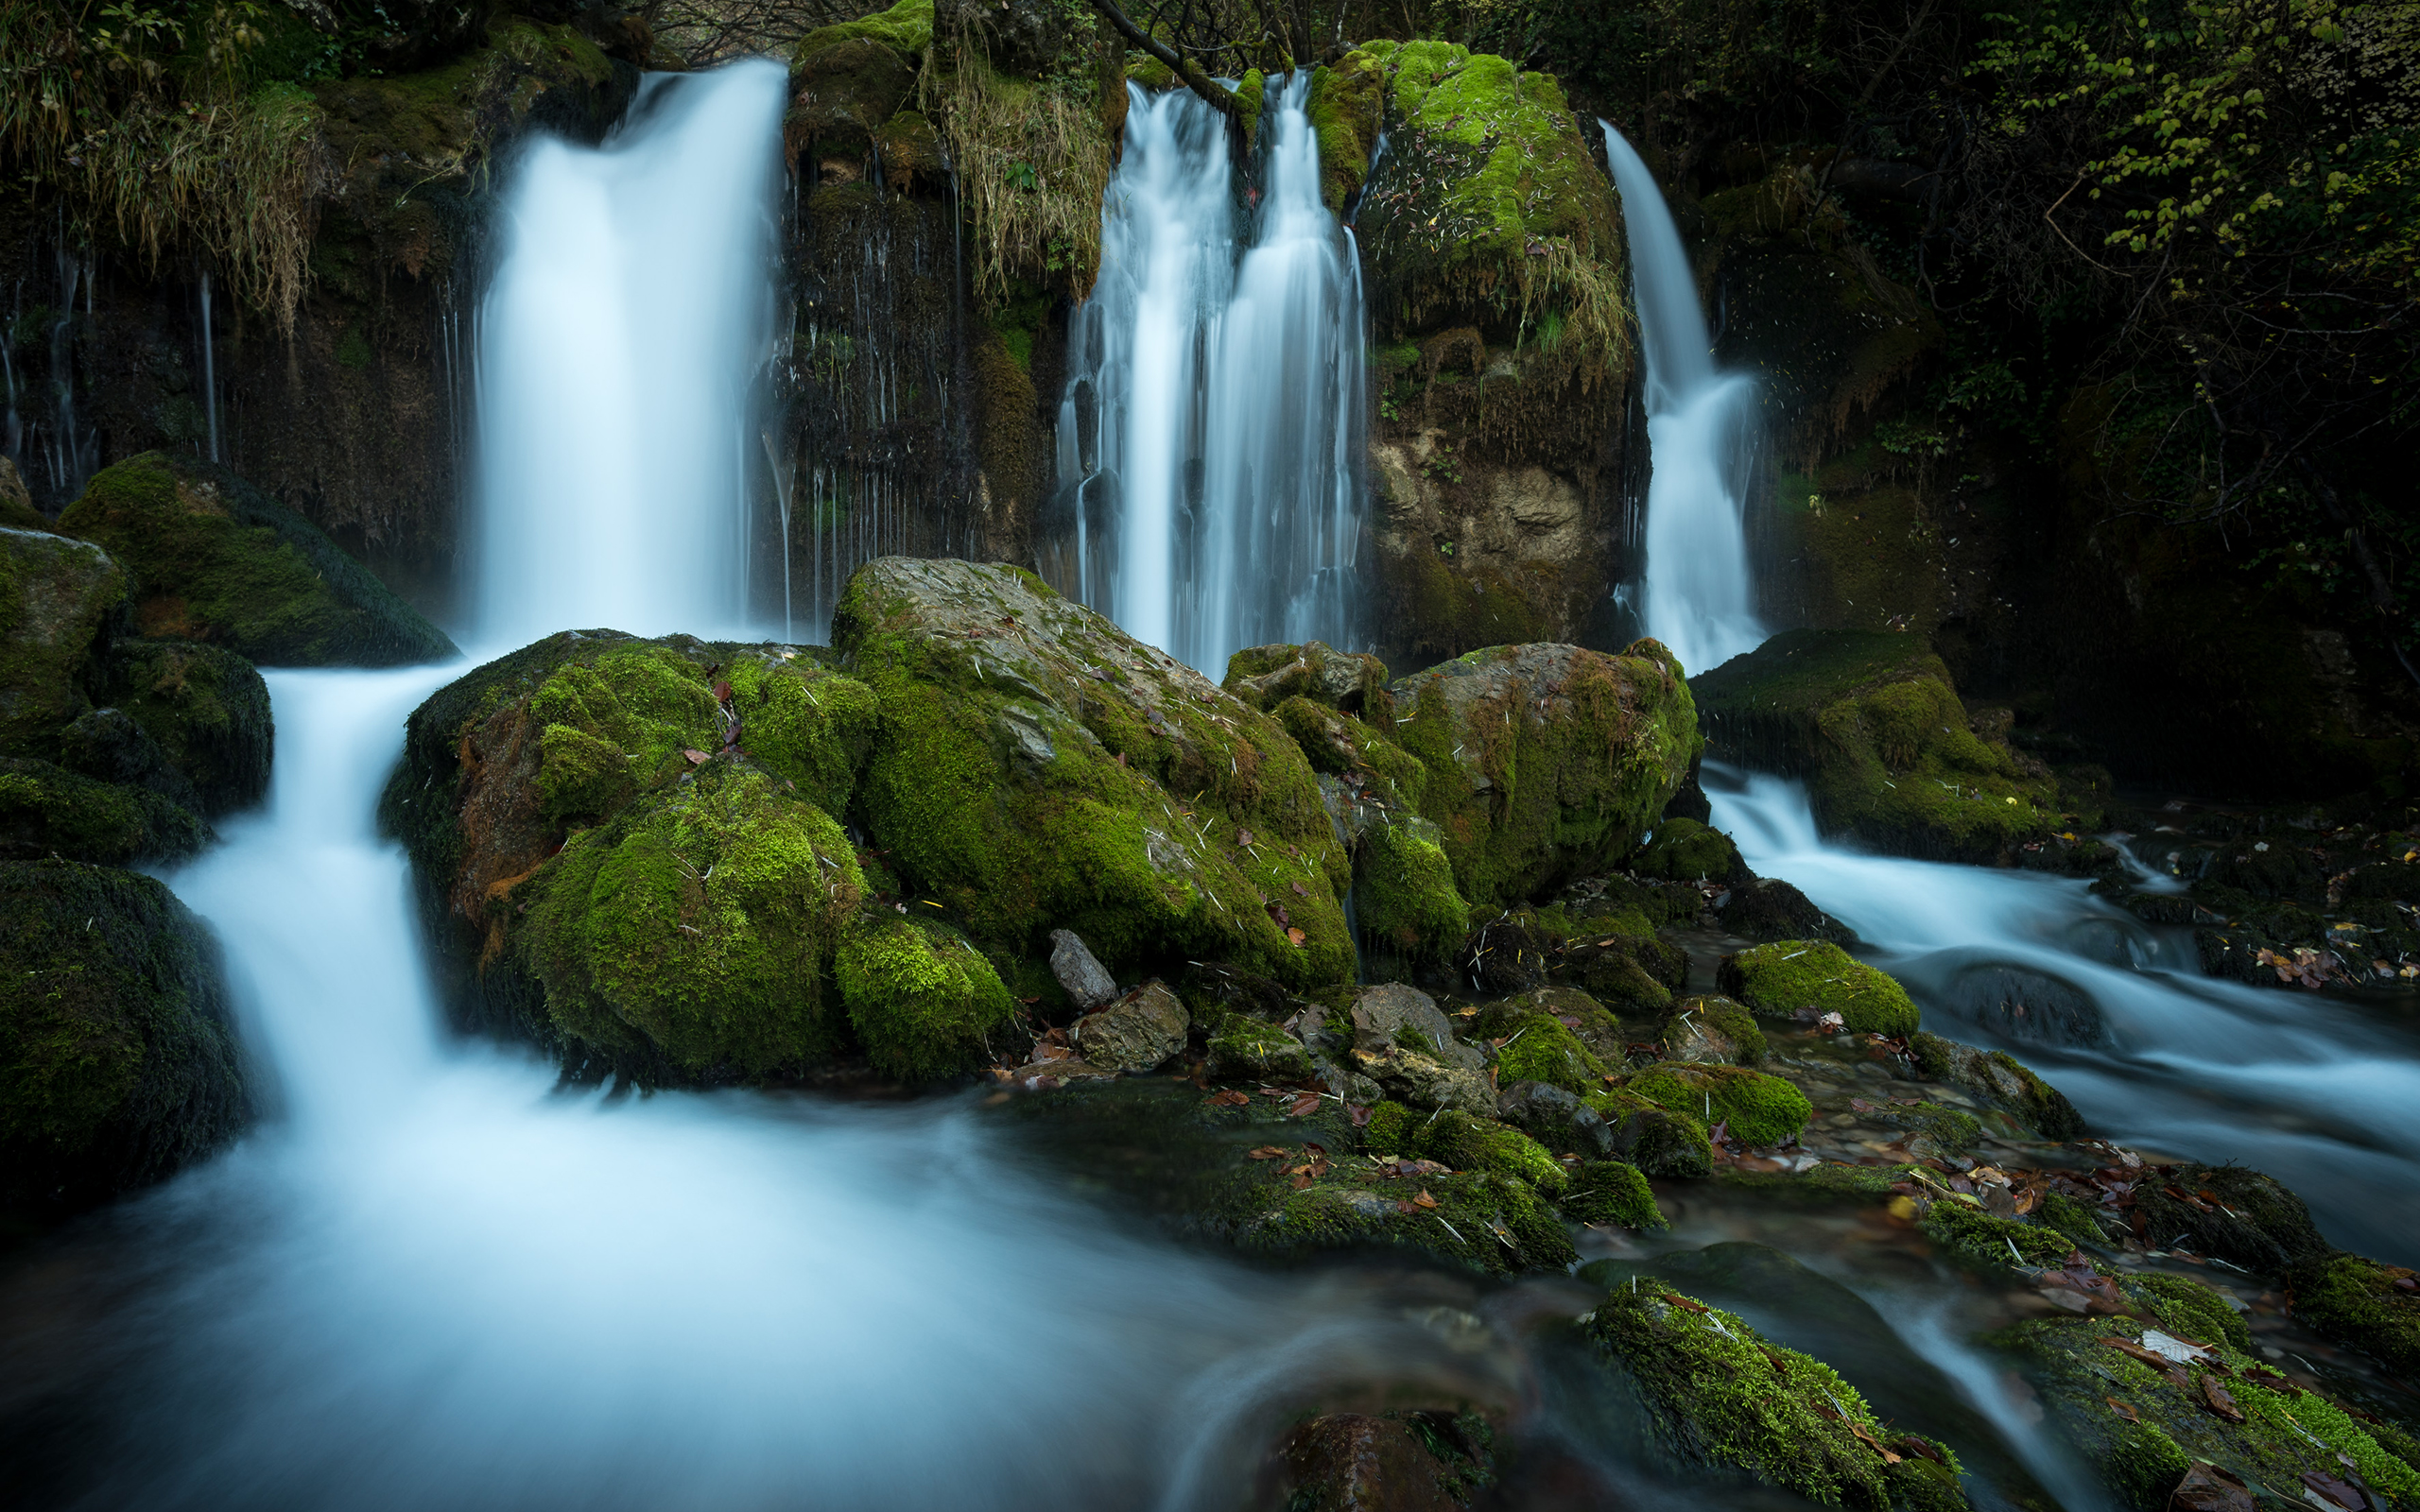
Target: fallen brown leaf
{"x":1269,"y":1152}
{"x":1230,"y":1098}
{"x":2122,"y":1410}
{"x":2208,"y":1489}
{"x":1424,"y":1200}
{"x":2217,"y":1398}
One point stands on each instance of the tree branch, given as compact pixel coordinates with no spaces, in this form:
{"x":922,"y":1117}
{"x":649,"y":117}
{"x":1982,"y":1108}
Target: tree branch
{"x":1194,"y":80}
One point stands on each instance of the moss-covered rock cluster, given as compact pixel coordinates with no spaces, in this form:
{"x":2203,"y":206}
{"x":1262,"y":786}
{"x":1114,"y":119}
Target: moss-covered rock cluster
{"x":1872,"y":724}
{"x":1809,"y":979}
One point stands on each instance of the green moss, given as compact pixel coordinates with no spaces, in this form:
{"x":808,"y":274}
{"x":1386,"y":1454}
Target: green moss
{"x":1788,"y":976}
{"x":1967,"y":1229}
{"x":690,"y":936}
{"x":1659,"y":1141}
{"x":925,"y":1003}
{"x":1871,"y":722}
{"x":48,"y":811}
{"x":1723,"y":1394}
{"x":1036,"y":768}
{"x":1546,"y":762}
{"x":1243,"y":1048}
{"x":1539,"y":1048}
{"x":208,"y":709}
{"x":1759,"y":1109}
{"x":2073,"y":1219}
{"x":1248,"y":97}
{"x":1685,"y":850}
{"x":1345,"y":105}
{"x":1612,"y":1191}
{"x":1390,"y":1131}
{"x":1403,"y":891}
{"x":213,"y":559}
{"x":2190,"y":1309}
{"x":2356,"y":1301}
{"x":118,"y":1061}
{"x":1470,"y":1144}
{"x":1492,"y":1223}
{"x":57,"y":596}
{"x":1726,"y":1018}
{"x":906,"y":29}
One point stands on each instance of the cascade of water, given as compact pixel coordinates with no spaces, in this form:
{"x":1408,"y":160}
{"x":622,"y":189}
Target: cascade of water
{"x":1211,"y":437}
{"x":73,"y":457}
{"x":1697,"y":597}
{"x":617,"y":352}
{"x":209,"y":367}
{"x":2323,"y":1096}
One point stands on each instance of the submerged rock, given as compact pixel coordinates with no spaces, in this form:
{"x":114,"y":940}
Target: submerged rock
{"x":118,"y":1058}
{"x":214,"y":560}
{"x":1871,"y":721}
{"x":1546,"y":762}
{"x":1768,"y":908}
{"x":1403,"y":1462}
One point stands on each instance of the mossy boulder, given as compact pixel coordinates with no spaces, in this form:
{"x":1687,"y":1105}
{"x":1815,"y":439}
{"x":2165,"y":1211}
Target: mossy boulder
{"x":208,"y":709}
{"x":906,"y":29}
{"x":843,"y":92}
{"x":1685,"y":850}
{"x":1244,"y":1048}
{"x":118,"y":1059}
{"x":214,"y":560}
{"x":1492,"y":1223}
{"x":1768,"y":908}
{"x":2361,"y":1303}
{"x":1036,"y":767}
{"x":2226,"y":1211}
{"x":2142,"y":1426}
{"x":47,"y":810}
{"x":534,"y":786}
{"x":2189,"y":1310}
{"x":1546,"y":762}
{"x":58,"y":597}
{"x":2003,"y":1079}
{"x":1471,"y":1144}
{"x":1811,"y":977}
{"x":1724,"y":1395}
{"x":925,"y":1003}
{"x":1404,"y":897}
{"x":1660,"y":1141}
{"x":1539,"y":1046}
{"x":1962,"y":1227}
{"x":1349,"y":683}
{"x":1872,"y":723}
{"x":1714,"y":1030}
{"x":1612,"y":1191}
{"x":17,"y":510}
{"x":1758,"y":1109}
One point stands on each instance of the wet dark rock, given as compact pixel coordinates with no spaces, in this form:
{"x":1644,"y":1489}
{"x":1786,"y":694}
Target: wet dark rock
{"x":47,"y":811}
{"x":1411,"y":1462}
{"x":117,"y":1050}
{"x":208,"y":710}
{"x":109,"y":747}
{"x":2003,"y":1079}
{"x":1768,"y":908}
{"x":1140,"y":1032}
{"x":58,"y":598}
{"x":2230,"y":1213}
{"x":1211,"y":988}
{"x":2271,"y":870}
{"x":1508,"y":954}
{"x":1688,"y":851}
{"x":1088,"y":983}
{"x":2361,"y":1303}
{"x":1555,"y":1118}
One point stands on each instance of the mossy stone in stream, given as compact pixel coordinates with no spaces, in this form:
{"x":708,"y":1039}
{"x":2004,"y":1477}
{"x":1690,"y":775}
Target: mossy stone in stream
{"x":1469,"y":1144}
{"x":2186,"y":1308}
{"x":1794,"y":976}
{"x":109,"y":747}
{"x":1758,"y":1109}
{"x":2141,"y":1428}
{"x":2361,"y":1303}
{"x":1538,"y":1047}
{"x":926,"y":1003}
{"x":2000,"y":1077}
{"x":1699,"y":1025}
{"x":214,"y":560}
{"x":1490,"y":1222}
{"x":2073,"y":1219}
{"x":1612,"y":1191}
{"x":1963,"y":1229}
{"x":1244,"y":1048}
{"x":1035,"y":767}
{"x":1723,"y":1394}
{"x":118,"y":1059}
{"x":1403,"y":893}
{"x":2247,"y":1219}
{"x":689,"y":937}
{"x":47,"y":811}
{"x":1659,"y":1141}
{"x":1548,"y":762}
{"x":1685,"y":850}
{"x":1871,"y":721}
{"x":58,"y":596}
{"x":208,"y":710}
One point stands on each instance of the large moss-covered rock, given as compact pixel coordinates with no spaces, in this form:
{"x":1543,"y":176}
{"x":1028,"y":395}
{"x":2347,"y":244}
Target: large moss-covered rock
{"x":57,"y":596}
{"x":1546,"y":762}
{"x":2003,"y":1079}
{"x":1035,"y":767}
{"x":214,"y":560}
{"x":2362,"y":1303}
{"x":47,"y":810}
{"x":118,"y":1063}
{"x":1871,"y":721}
{"x":923,"y":1002}
{"x":1724,"y":1395}
{"x":209,"y":710}
{"x":2142,"y":1426}
{"x":1813,"y":977}
{"x":1758,"y":1109}
{"x":619,"y":759}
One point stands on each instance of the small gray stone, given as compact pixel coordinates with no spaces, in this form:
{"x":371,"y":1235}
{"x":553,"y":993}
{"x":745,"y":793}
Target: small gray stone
{"x":1394,"y":1016}
{"x":1088,"y":983}
{"x":1139,"y":1032}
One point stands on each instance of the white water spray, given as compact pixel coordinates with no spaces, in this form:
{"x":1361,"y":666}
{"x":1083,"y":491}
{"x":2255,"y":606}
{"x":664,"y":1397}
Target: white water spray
{"x":1210,"y":444}
{"x":1698,"y":597}
{"x":618,"y":352}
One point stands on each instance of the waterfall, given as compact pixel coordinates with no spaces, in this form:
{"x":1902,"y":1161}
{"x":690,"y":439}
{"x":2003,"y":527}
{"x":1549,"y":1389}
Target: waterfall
{"x":1211,"y":438}
{"x":1698,"y":597}
{"x":620,"y":349}
{"x":209,"y":367}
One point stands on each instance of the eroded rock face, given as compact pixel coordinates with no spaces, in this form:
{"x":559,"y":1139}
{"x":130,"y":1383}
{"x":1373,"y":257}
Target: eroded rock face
{"x":1546,"y":762}
{"x":1037,"y":768}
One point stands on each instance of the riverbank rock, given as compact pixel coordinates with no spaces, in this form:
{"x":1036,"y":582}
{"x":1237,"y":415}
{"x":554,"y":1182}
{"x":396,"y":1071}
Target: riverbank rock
{"x":1034,"y":768}
{"x":1086,"y":982}
{"x":2148,"y":1410}
{"x":118,"y":1059}
{"x":1724,"y":1395}
{"x":1545,"y":763}
{"x":924,"y":1003}
{"x":1139,"y":1032}
{"x":212,"y":559}
{"x":47,"y":810}
{"x":58,"y":597}
{"x":1809,"y":979}
{"x":208,"y":709}
{"x":1871,"y":721}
